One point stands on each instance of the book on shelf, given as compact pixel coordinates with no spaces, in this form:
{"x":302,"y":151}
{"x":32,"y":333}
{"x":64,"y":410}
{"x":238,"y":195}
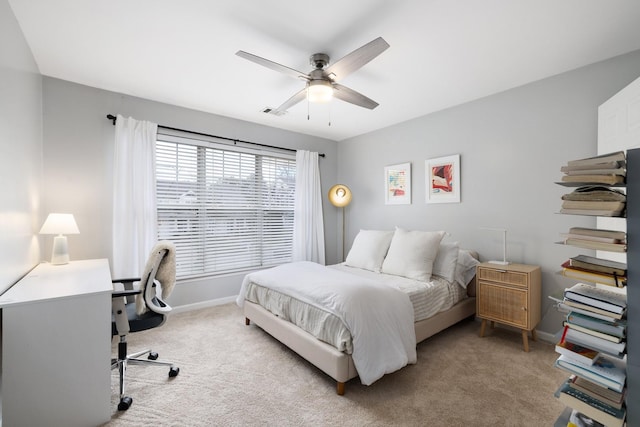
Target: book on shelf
{"x":576,"y":352}
{"x":615,"y":349}
{"x":593,"y":276}
{"x":597,"y":246}
{"x":609,"y":171}
{"x":613,"y":275}
{"x":591,"y":238}
{"x":608,"y":165}
{"x":617,"y":328}
{"x":617,"y":156}
{"x":604,"y":371}
{"x":574,"y":418}
{"x":596,"y":192}
{"x":598,"y":334}
{"x":569,"y":309}
{"x":593,"y":212}
{"x":593,"y":408}
{"x":597,"y":232}
{"x":594,"y":204}
{"x":605,"y":299}
{"x":605,"y":395}
{"x":599,"y":265}
{"x":573,"y":305}
{"x":594,"y":179}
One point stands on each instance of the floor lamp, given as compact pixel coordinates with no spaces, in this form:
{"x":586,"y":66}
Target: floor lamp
{"x":340,"y":196}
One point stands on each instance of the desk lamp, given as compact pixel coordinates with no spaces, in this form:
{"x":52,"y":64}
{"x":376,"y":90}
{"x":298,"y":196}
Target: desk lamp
{"x":60,"y":224}
{"x":504,"y":245}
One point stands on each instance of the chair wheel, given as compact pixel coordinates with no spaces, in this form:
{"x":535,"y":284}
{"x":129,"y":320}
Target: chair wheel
{"x":125,"y":403}
{"x":173,"y":372}
{"x":152,"y":355}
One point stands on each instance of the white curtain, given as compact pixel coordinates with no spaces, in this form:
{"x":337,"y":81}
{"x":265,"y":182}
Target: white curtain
{"x":308,"y":223}
{"x":135,"y":225}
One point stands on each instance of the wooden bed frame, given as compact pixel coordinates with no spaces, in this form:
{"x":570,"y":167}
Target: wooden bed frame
{"x":339,"y":365}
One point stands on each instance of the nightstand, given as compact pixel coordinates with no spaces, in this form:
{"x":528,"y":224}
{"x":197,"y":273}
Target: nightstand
{"x":509,"y":294}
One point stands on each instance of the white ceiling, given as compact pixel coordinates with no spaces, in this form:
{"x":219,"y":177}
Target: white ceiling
{"x":442,"y":53}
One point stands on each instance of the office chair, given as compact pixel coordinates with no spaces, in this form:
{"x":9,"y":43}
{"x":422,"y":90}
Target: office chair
{"x":141,"y":309}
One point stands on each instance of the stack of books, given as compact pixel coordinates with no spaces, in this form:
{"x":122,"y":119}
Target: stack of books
{"x":592,"y":349}
{"x":590,"y":403}
{"x":594,"y":200}
{"x":596,"y":270}
{"x":592,"y":238}
{"x":606,"y":169}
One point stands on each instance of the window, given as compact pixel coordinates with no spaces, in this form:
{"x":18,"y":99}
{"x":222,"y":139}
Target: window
{"x":226,"y":209}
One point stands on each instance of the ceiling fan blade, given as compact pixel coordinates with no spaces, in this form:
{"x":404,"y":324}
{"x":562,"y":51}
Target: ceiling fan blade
{"x":299,"y":96}
{"x":272,"y":65}
{"x":349,"y":95}
{"x":356,"y":59}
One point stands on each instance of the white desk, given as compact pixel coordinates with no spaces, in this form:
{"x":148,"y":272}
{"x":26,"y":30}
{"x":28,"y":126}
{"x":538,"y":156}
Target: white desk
{"x":56,"y":346}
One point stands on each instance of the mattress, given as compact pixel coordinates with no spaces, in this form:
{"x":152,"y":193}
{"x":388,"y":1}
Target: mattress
{"x":427,"y":299}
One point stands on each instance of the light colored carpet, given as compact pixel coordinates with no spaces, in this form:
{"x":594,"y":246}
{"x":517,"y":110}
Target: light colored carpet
{"x":237,"y":375}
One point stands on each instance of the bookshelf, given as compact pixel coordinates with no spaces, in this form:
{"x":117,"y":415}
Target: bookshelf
{"x":627,"y":361}
{"x":633,"y":291}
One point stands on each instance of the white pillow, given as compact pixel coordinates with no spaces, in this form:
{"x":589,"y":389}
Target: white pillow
{"x":465,"y":268}
{"x":412,"y":253}
{"x":446,"y":261}
{"x":369,"y":249}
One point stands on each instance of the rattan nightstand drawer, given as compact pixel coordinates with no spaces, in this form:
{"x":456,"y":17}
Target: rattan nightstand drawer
{"x":503,"y":276}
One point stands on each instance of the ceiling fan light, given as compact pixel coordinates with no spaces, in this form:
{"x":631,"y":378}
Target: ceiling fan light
{"x":319,"y":91}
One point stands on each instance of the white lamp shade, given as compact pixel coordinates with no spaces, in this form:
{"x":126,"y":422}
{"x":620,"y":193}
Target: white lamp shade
{"x":319,"y":91}
{"x":340,"y":195}
{"x":60,"y":223}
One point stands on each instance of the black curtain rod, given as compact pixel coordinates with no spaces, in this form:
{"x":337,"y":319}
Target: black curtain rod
{"x":114,"y":118}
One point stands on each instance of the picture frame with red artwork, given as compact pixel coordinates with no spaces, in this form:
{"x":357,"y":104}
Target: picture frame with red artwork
{"x":442,"y":176}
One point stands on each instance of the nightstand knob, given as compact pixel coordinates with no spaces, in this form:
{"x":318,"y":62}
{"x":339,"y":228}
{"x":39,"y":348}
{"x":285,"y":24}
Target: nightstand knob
{"x":524,"y":308}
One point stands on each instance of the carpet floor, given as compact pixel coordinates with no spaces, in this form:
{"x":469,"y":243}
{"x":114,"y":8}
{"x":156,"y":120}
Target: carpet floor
{"x":237,"y":375}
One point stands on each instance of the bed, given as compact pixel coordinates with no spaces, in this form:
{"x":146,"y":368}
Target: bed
{"x":401,"y":287}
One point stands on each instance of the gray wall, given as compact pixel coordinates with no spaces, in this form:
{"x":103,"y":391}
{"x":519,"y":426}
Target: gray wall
{"x":511,"y":145}
{"x":20,"y":152}
{"x":78,"y":165}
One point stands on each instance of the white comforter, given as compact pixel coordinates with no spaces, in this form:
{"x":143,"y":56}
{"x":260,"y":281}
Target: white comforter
{"x":379,"y":317}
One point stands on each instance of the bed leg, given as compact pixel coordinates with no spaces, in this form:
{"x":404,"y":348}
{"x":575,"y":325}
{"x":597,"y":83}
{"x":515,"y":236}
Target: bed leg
{"x":340,"y":388}
{"x":247,"y":321}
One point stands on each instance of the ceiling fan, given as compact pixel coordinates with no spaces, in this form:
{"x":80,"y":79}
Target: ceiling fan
{"x":322,"y":82}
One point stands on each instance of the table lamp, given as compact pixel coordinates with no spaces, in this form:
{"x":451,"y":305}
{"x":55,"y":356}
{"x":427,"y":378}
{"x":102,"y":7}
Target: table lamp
{"x":504,"y":245}
{"x":60,"y":224}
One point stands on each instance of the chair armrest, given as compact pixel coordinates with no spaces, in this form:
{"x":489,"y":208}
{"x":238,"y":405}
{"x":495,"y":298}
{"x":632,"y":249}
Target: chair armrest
{"x":159,"y":306}
{"x":126,"y":293}
{"x":135,"y":279}
{"x":127,"y":284}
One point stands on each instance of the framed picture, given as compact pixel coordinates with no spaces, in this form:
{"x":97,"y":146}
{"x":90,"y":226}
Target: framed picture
{"x":443,"y":179}
{"x":397,"y":184}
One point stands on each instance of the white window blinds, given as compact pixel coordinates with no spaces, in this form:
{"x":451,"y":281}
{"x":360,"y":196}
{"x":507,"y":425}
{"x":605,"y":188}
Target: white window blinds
{"x":226,"y":210}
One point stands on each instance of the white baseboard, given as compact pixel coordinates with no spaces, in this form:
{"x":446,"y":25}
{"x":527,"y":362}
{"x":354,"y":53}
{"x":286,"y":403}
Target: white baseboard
{"x":203,"y":304}
{"x":542,"y":336}
{"x":547,"y":337}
